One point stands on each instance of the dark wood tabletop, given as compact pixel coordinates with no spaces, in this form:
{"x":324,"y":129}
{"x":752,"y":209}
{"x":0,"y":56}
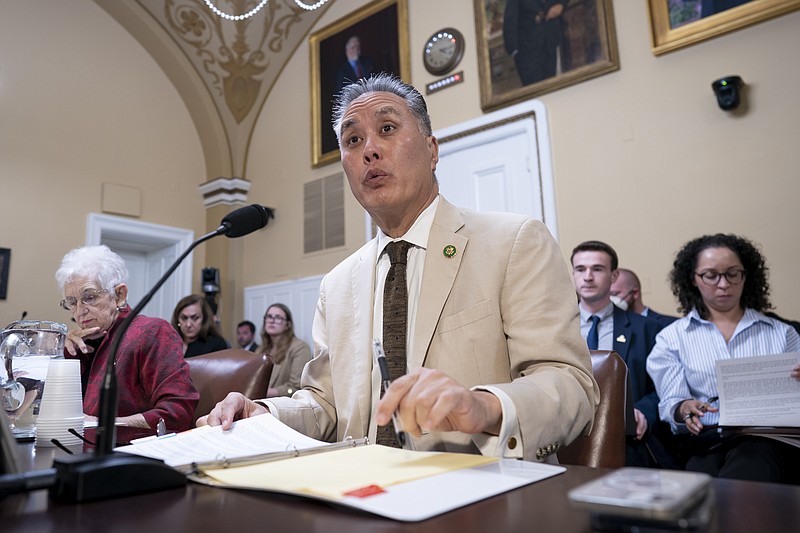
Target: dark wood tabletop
{"x":741,"y":506}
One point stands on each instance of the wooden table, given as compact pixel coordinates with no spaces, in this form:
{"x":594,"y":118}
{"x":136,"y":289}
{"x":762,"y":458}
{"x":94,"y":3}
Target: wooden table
{"x":742,"y":506}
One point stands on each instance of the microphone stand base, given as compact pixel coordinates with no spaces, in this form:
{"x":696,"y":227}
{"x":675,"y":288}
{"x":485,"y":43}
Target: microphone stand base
{"x":88,"y":477}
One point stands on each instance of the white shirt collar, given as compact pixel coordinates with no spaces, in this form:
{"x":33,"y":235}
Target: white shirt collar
{"x":419,"y":231}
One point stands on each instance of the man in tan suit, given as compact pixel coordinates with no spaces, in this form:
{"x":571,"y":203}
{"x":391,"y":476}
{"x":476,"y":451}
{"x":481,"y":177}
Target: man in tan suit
{"x":496,"y":363}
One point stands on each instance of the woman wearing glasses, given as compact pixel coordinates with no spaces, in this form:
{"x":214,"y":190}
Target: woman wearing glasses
{"x":721,"y":284}
{"x":153,"y":378}
{"x":289,"y":354}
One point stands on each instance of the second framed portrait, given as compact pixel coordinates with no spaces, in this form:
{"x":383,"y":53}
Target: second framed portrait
{"x":373,"y":39}
{"x":531,"y":47}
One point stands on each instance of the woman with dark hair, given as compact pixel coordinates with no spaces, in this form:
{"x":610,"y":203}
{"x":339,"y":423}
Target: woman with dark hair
{"x":288,"y":353}
{"x":721,"y":284}
{"x":193,"y":320}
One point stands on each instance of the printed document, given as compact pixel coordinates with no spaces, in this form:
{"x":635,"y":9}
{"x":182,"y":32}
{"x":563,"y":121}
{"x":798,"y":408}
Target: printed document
{"x":250,"y":436}
{"x":759,"y":391}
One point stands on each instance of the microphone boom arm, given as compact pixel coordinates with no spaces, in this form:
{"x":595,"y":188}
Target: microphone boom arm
{"x":106,"y":420}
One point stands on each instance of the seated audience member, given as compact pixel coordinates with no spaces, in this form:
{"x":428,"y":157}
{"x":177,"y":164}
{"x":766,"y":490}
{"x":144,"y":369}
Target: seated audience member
{"x":721,"y":284}
{"x":626,"y":293}
{"x":480,"y":330}
{"x":607,"y":327}
{"x":246,"y":335}
{"x":154,"y":381}
{"x":288,"y":353}
{"x":192,"y":318}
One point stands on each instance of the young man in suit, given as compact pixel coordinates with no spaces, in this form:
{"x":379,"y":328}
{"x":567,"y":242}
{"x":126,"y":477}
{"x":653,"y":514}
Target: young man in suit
{"x":246,"y":335}
{"x":607,"y":327}
{"x":494,"y":361}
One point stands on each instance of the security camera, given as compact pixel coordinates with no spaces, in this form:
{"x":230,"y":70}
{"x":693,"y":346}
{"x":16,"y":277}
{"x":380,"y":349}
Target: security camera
{"x":728,"y":91}
{"x":210,"y":283}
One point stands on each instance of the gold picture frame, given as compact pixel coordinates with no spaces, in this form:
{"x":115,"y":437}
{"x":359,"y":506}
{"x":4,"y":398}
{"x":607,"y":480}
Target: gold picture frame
{"x":382,"y":28}
{"x":676,"y":24}
{"x":510,"y":62}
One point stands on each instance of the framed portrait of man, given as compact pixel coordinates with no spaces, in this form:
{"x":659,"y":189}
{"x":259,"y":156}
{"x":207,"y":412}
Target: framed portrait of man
{"x":372,"y":39}
{"x":532,"y":47}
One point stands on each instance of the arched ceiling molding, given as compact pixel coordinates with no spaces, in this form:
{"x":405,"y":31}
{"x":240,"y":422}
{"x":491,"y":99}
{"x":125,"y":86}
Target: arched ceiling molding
{"x":223,"y":70}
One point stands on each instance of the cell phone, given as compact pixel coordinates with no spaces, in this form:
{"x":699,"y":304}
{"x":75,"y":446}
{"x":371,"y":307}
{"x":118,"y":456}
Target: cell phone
{"x":667,"y":496}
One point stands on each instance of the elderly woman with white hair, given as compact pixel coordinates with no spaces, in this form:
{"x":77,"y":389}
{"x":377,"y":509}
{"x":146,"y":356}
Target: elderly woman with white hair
{"x":153,"y":377}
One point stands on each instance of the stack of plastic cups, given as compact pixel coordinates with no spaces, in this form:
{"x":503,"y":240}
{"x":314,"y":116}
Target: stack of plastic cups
{"x":62,"y":404}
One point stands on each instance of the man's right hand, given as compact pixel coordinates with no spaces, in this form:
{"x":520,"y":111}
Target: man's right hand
{"x":235,"y":406}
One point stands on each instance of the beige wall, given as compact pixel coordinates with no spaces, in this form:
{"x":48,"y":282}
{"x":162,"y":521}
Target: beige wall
{"x":81,"y":103}
{"x":643,"y":157}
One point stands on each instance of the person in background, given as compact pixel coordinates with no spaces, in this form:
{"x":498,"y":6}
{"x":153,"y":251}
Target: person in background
{"x":721,"y":284}
{"x":246,"y":335}
{"x":608,"y":327}
{"x":626,"y":293}
{"x":193,"y":320}
{"x":153,"y":377}
{"x":289,"y":354}
{"x":480,"y":329}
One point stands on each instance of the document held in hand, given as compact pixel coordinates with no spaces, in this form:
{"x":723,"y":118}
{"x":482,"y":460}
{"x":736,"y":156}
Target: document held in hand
{"x":262,"y":453}
{"x":759,"y":391}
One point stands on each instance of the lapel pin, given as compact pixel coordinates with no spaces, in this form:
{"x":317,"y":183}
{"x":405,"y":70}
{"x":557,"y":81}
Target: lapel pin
{"x":449,"y":251}
{"x":622,"y":338}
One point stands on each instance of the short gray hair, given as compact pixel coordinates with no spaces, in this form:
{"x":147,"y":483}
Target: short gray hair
{"x":92,"y":262}
{"x":381,"y":83}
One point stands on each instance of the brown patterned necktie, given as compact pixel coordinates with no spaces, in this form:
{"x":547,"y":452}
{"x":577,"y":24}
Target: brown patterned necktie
{"x":395,"y":319}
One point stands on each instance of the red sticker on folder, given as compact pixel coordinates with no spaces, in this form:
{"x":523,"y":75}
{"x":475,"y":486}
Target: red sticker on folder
{"x":363,"y":492}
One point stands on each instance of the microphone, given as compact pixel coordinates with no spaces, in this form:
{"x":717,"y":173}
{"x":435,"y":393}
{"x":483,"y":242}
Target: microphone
{"x":245,"y":220}
{"x":107,"y":474}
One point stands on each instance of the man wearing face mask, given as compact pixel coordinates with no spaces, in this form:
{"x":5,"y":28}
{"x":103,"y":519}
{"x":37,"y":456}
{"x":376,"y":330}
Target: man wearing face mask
{"x":606,"y":326}
{"x":626,"y":293}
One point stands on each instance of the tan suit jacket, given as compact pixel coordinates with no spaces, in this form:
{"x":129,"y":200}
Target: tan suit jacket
{"x":500,"y":312}
{"x":286,"y":374}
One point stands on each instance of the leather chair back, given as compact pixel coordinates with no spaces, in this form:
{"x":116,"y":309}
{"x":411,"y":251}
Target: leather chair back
{"x":216,"y":374}
{"x":604,"y":447}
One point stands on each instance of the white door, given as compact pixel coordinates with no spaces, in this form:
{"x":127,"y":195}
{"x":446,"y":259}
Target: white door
{"x":148,"y":250}
{"x":500,"y":162}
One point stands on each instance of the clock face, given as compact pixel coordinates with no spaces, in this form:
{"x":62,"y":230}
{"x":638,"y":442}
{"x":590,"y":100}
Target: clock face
{"x":443,"y":51}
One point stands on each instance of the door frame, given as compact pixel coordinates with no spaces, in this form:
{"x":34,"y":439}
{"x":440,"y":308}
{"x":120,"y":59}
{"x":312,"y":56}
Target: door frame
{"x":149,"y":237}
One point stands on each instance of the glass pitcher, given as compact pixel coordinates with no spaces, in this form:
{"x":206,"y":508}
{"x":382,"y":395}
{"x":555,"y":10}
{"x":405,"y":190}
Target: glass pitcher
{"x":26,"y":348}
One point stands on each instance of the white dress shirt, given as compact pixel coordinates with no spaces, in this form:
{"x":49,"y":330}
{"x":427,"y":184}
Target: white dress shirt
{"x":605,"y":328}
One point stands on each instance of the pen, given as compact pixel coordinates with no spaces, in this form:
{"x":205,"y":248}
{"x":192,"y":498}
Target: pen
{"x":402,"y":437}
{"x":706,"y":404}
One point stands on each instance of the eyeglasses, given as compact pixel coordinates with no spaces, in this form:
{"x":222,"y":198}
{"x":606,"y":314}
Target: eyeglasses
{"x":274,"y":318}
{"x":712,"y":278}
{"x":89,"y":298}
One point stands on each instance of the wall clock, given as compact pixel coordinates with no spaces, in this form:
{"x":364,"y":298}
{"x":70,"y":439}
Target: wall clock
{"x":443,"y":51}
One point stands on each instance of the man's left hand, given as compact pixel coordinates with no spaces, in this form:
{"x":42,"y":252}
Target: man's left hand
{"x":429,"y":400}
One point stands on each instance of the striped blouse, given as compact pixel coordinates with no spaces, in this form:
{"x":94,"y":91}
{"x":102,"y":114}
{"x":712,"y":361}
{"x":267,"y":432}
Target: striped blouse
{"x":682,"y":361}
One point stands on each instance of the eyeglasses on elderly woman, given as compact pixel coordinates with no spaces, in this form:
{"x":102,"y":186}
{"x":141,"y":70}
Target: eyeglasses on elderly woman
{"x":89,"y":297}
